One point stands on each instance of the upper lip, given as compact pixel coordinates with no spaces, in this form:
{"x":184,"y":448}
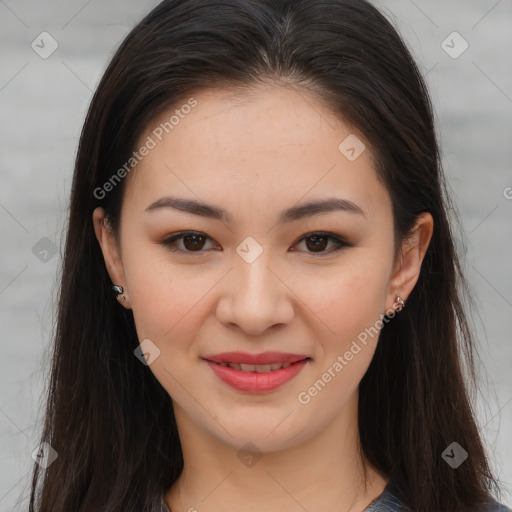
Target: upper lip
{"x":262,"y":358}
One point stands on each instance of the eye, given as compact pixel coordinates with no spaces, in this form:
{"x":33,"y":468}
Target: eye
{"x":317,"y":242}
{"x":194,"y":242}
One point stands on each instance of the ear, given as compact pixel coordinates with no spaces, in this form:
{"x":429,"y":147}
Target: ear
{"x":110,"y":250}
{"x":408,"y":265}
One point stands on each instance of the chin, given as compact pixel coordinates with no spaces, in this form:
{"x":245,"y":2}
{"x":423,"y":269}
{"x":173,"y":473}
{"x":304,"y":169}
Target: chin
{"x":268,"y":431}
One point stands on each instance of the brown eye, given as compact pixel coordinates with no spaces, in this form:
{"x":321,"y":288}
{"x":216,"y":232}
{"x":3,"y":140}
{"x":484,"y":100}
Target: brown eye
{"x":190,"y":242}
{"x":193,"y":242}
{"x":316,"y":243}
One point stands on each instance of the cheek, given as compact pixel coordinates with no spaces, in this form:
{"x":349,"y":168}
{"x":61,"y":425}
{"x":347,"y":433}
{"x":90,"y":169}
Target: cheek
{"x":348,"y":301}
{"x":160,"y":293}
{"x":164,"y":305}
{"x":170,"y":302}
{"x":350,"y":309}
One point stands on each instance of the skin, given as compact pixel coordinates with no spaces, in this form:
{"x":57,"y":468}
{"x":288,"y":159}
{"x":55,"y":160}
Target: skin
{"x":256,"y":155}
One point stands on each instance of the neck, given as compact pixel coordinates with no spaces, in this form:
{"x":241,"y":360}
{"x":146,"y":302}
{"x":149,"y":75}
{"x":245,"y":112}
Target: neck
{"x":324,"y":472}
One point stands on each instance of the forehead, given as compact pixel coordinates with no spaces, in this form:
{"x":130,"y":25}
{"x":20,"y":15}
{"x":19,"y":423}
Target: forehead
{"x":267,"y":145}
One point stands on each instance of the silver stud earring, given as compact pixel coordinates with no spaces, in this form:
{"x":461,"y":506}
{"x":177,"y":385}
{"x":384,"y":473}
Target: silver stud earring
{"x":119,"y":292}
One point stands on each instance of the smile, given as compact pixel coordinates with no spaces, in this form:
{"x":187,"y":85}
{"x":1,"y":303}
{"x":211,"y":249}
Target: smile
{"x":250,"y":377}
{"x":257,"y":368}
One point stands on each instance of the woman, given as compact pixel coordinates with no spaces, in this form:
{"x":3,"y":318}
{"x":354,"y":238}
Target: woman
{"x":261,"y":304}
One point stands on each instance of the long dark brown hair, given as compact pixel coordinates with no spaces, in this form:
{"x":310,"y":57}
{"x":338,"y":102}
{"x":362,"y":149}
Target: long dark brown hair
{"x":107,"y":417}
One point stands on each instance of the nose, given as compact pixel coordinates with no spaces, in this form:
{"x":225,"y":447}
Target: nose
{"x":255,"y":297}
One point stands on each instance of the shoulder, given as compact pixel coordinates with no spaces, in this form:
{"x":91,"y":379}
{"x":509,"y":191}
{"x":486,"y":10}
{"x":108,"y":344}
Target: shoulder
{"x":386,"y":502}
{"x":499,"y":507}
{"x":389,"y":502}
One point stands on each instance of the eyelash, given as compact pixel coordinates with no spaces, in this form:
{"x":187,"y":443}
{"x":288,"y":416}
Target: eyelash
{"x":170,"y":242}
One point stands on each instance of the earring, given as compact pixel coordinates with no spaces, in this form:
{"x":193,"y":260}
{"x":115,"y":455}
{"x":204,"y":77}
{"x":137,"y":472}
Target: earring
{"x":399,"y":303}
{"x":119,"y":291}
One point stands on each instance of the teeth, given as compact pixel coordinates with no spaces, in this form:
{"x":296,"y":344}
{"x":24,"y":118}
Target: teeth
{"x":257,"y":368}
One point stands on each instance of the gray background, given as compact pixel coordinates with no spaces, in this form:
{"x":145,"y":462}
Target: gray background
{"x":43,"y":104}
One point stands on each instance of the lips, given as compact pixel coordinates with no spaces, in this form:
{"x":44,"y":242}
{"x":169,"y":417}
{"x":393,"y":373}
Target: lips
{"x":256,"y":373}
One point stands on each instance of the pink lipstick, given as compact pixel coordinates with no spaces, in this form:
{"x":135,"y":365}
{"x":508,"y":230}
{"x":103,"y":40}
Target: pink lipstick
{"x":256,"y":373}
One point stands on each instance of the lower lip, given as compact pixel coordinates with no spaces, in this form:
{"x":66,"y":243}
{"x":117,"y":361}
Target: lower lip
{"x":252,"y":382}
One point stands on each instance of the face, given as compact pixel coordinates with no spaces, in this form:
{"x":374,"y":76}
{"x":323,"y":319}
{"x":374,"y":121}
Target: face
{"x":243,"y":276}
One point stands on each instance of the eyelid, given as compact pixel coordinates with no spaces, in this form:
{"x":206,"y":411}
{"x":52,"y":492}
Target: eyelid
{"x":169,"y":241}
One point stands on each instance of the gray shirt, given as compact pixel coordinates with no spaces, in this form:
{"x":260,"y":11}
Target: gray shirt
{"x":385,"y":502}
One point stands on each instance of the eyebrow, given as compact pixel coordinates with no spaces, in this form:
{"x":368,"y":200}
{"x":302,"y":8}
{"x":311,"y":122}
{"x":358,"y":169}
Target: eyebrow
{"x":291,"y":214}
